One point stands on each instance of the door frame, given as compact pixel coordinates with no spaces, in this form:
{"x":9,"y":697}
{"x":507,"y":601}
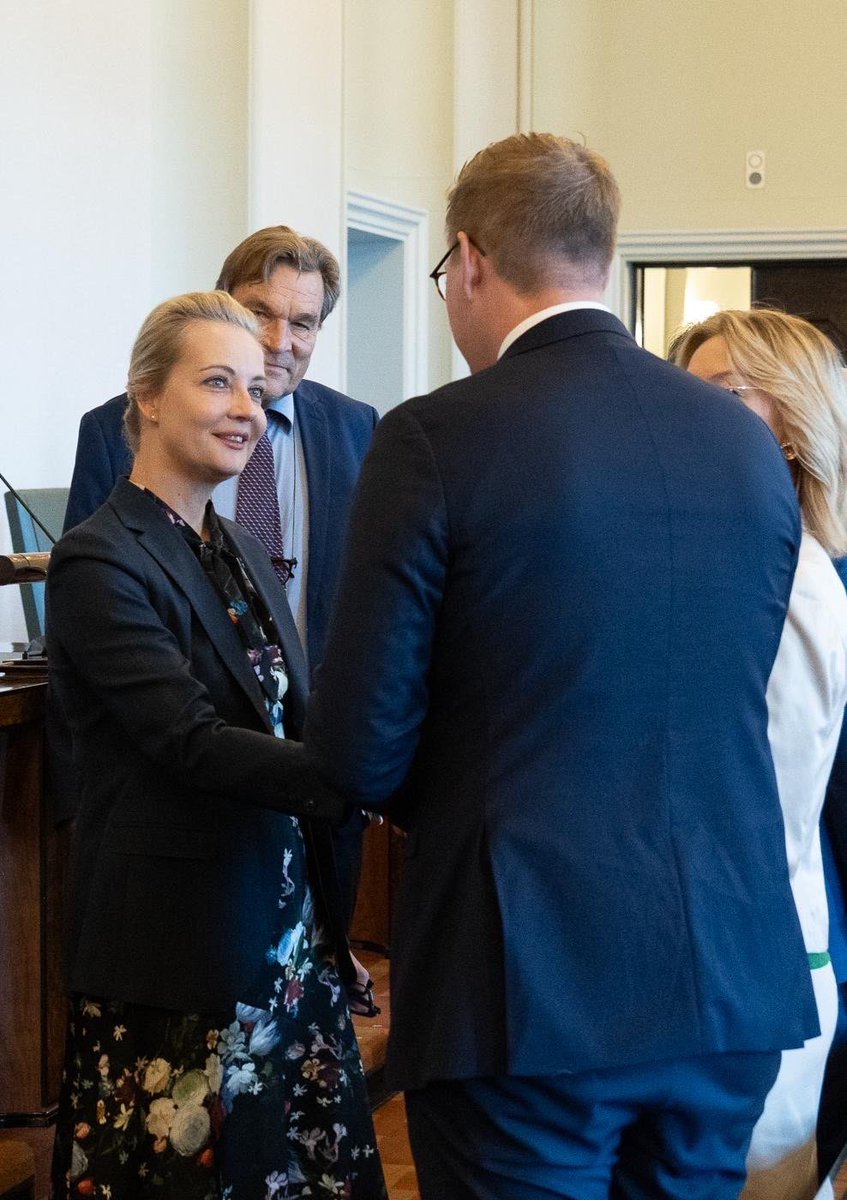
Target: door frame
{"x":715,"y":247}
{"x":409,"y":226}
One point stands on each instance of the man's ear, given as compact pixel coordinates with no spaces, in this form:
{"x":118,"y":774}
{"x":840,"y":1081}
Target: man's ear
{"x":471,"y":265}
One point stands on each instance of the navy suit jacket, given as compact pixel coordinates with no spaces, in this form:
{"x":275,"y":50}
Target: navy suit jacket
{"x":336,"y":432}
{"x":565,"y":584}
{"x":181,"y":827}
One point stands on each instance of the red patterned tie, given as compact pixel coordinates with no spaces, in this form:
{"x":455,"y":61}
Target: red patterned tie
{"x":257,"y":506}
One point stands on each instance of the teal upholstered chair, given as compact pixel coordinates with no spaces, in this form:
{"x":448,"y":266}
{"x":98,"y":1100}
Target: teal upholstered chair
{"x":49,"y":506}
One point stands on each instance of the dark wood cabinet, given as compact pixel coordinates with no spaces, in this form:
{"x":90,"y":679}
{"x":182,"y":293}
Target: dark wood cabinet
{"x":382,"y":866}
{"x":33,"y":854}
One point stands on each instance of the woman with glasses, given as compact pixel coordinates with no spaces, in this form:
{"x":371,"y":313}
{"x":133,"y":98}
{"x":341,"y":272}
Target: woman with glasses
{"x":788,"y":373}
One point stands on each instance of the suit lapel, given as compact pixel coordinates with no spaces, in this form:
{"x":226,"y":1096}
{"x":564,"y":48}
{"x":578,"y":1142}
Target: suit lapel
{"x":167,"y":546}
{"x":314,"y":435}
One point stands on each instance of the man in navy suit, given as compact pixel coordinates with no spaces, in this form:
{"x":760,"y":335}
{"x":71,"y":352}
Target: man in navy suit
{"x":565,"y":582}
{"x":318,"y":437}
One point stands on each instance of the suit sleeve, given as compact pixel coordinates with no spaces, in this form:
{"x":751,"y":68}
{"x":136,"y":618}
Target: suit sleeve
{"x":111,"y":648}
{"x":94,"y":472}
{"x":364,"y":718}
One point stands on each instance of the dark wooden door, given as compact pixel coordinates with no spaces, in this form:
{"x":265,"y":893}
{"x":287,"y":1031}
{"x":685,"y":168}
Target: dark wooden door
{"x":816,"y":290}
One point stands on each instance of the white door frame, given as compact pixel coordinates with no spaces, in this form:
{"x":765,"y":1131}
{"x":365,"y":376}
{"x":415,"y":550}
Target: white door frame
{"x":410,"y":227}
{"x":713,"y":246}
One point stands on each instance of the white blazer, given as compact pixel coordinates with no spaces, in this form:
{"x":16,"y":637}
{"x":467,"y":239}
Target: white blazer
{"x":806,"y":696}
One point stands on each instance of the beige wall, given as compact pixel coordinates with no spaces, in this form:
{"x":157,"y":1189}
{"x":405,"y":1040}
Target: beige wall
{"x":398,"y":119}
{"x":675,"y":93}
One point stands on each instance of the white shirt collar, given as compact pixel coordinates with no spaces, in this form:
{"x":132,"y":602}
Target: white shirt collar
{"x":542,"y":315}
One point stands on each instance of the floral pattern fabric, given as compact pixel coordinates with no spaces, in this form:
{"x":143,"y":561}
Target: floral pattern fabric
{"x":140,"y":1112}
{"x":268,"y":1105}
{"x":298,"y":1122}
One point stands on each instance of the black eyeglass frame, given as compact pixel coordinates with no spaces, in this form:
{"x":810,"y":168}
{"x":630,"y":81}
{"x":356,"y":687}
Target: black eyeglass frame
{"x":439,"y":270}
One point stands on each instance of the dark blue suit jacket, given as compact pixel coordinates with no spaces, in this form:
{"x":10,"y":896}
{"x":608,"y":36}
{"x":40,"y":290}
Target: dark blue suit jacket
{"x":565,"y":584}
{"x":336,"y":432}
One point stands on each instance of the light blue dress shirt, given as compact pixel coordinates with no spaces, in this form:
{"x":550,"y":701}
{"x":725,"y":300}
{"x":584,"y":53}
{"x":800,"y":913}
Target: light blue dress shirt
{"x":293,"y":495}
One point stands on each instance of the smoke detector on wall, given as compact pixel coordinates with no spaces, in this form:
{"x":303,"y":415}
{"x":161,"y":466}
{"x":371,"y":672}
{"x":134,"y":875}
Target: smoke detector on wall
{"x":754,"y":169}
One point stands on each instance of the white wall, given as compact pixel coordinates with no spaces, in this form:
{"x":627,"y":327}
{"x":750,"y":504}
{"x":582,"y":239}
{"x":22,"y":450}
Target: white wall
{"x":398,"y":120}
{"x":486,"y":53}
{"x":427,"y":83}
{"x":296,"y":134}
{"x":75,"y":236}
{"x":75,"y":231}
{"x":123,"y":181}
{"x":199,"y":177}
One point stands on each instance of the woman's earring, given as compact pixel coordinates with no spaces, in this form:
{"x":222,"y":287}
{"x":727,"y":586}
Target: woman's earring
{"x":789,"y":451}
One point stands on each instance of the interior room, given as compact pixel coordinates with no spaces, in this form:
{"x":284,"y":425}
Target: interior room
{"x":142,"y":139}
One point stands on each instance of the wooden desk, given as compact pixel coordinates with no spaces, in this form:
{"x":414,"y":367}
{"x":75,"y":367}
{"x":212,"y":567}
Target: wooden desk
{"x":33,"y":855}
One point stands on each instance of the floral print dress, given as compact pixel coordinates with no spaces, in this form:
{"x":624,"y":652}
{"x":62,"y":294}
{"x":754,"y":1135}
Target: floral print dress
{"x":264,"y":1103}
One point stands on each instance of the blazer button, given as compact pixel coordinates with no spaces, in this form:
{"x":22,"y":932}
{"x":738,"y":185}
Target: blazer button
{"x":310,"y":805}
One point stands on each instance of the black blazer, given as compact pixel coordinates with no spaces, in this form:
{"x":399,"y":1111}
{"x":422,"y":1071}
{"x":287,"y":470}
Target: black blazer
{"x":179,"y":837}
{"x":565,"y":586}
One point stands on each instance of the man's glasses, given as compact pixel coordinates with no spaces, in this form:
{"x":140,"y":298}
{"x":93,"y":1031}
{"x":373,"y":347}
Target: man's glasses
{"x":439,"y":273}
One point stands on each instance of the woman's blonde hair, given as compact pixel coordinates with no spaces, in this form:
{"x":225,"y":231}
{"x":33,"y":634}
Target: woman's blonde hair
{"x":159,"y":345}
{"x":801,"y":371}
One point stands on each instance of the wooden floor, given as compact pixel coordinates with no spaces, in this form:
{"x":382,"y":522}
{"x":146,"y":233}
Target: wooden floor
{"x":390,"y":1123}
{"x":372,"y":1032}
{"x":389,"y":1118}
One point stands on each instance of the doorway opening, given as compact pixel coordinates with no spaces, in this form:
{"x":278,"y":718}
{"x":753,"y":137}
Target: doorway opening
{"x":386,"y":326}
{"x":374,"y":319}
{"x":804,"y":271}
{"x":668,"y":297}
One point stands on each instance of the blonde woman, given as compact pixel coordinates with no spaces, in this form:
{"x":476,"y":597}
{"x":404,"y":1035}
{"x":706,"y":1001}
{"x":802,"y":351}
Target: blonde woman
{"x":210,"y":1050}
{"x":782,"y":368}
